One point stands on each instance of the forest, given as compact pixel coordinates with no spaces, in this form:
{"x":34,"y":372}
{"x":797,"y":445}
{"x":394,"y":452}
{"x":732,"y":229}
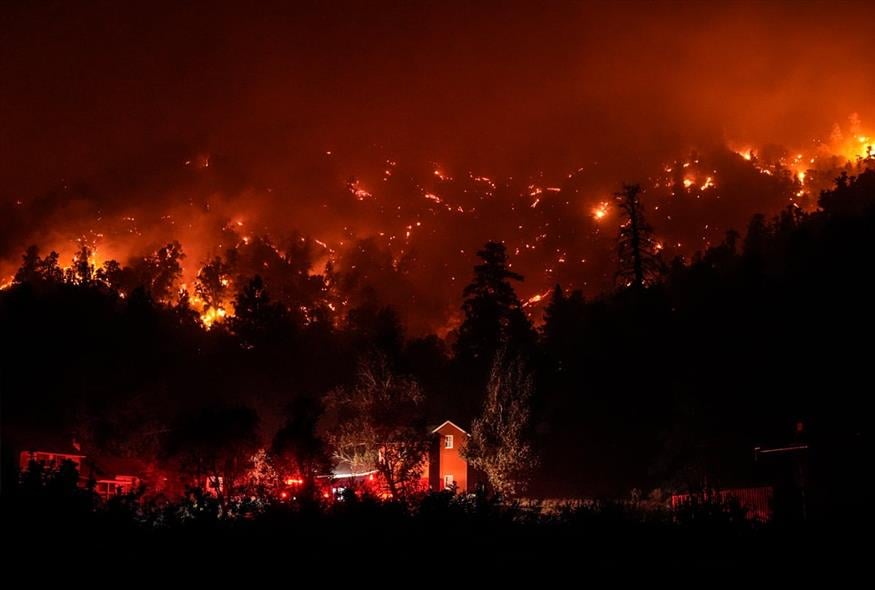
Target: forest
{"x":664,"y":384}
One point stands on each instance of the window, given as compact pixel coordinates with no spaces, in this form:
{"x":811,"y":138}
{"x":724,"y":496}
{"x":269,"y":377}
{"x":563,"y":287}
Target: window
{"x":448,"y":482}
{"x":448,"y":441}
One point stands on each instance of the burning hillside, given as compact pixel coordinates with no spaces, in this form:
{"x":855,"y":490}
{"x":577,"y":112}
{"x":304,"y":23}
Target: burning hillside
{"x":405,"y":235}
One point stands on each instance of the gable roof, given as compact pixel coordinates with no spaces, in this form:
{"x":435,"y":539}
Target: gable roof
{"x":46,"y":443}
{"x":451,"y":423}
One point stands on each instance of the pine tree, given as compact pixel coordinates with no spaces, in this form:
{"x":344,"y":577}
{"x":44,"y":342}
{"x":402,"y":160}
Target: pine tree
{"x":494,"y":317}
{"x":256,"y":317}
{"x":637,"y":249}
{"x":81,"y":271}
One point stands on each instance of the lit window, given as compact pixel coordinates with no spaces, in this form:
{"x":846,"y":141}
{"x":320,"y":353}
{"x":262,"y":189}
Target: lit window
{"x":448,"y":482}
{"x":448,"y":441}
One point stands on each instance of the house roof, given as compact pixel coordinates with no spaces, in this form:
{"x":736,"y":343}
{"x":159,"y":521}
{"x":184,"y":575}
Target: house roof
{"x":450,"y":422}
{"x":47,"y":443}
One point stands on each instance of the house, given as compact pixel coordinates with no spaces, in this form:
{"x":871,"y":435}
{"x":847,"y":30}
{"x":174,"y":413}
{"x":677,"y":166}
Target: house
{"x":447,"y":467}
{"x":50,"y":453}
{"x":116,"y":486}
{"x":444,"y":467}
{"x":110,"y":476}
{"x":50,"y":460}
{"x":114,"y":476}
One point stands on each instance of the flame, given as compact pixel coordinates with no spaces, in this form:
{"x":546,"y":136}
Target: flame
{"x":441,"y":176}
{"x":434,"y":198}
{"x":355,"y":187}
{"x":212,"y":315}
{"x":827,"y":156}
{"x":600,"y":211}
{"x":536,"y":298}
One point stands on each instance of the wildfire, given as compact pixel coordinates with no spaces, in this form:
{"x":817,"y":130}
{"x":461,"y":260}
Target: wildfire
{"x":212,"y":315}
{"x":441,"y":176}
{"x":536,"y":298}
{"x":355,"y":187}
{"x":528,"y":213}
{"x":840,"y":150}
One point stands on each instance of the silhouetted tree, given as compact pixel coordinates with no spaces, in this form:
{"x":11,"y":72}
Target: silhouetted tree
{"x":257,"y":319}
{"x":494,"y":317}
{"x":756,"y":236}
{"x":110,"y":274}
{"x":34,"y":269}
{"x":377,"y":328}
{"x":637,"y":249}
{"x":81,"y":271}
{"x":212,"y":283}
{"x":563,"y":328}
{"x":297,"y":448}
{"x":29,"y":271}
{"x":183,"y":310}
{"x":851,"y":195}
{"x":164,"y":270}
{"x":216,"y":444}
{"x":284,"y":272}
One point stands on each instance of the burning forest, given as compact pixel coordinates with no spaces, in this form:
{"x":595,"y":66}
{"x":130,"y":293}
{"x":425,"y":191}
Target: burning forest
{"x":394,"y":241}
{"x":495,"y":267}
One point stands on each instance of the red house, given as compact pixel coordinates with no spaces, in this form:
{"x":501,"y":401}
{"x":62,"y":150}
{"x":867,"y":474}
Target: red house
{"x":110,"y":477}
{"x":51,"y":460}
{"x":446,"y":466}
{"x":49,"y":451}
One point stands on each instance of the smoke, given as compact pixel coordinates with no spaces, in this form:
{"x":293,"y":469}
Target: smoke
{"x":132,"y":125}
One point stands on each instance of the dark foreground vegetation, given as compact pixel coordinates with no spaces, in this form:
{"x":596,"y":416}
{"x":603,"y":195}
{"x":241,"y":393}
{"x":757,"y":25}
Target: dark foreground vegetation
{"x":356,"y":536}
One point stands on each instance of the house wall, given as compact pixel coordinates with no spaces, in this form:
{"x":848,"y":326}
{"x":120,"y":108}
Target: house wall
{"x":48,"y":459}
{"x":450,"y":461}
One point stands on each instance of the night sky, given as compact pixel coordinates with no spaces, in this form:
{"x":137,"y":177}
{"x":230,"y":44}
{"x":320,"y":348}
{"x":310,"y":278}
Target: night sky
{"x":403,"y":137}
